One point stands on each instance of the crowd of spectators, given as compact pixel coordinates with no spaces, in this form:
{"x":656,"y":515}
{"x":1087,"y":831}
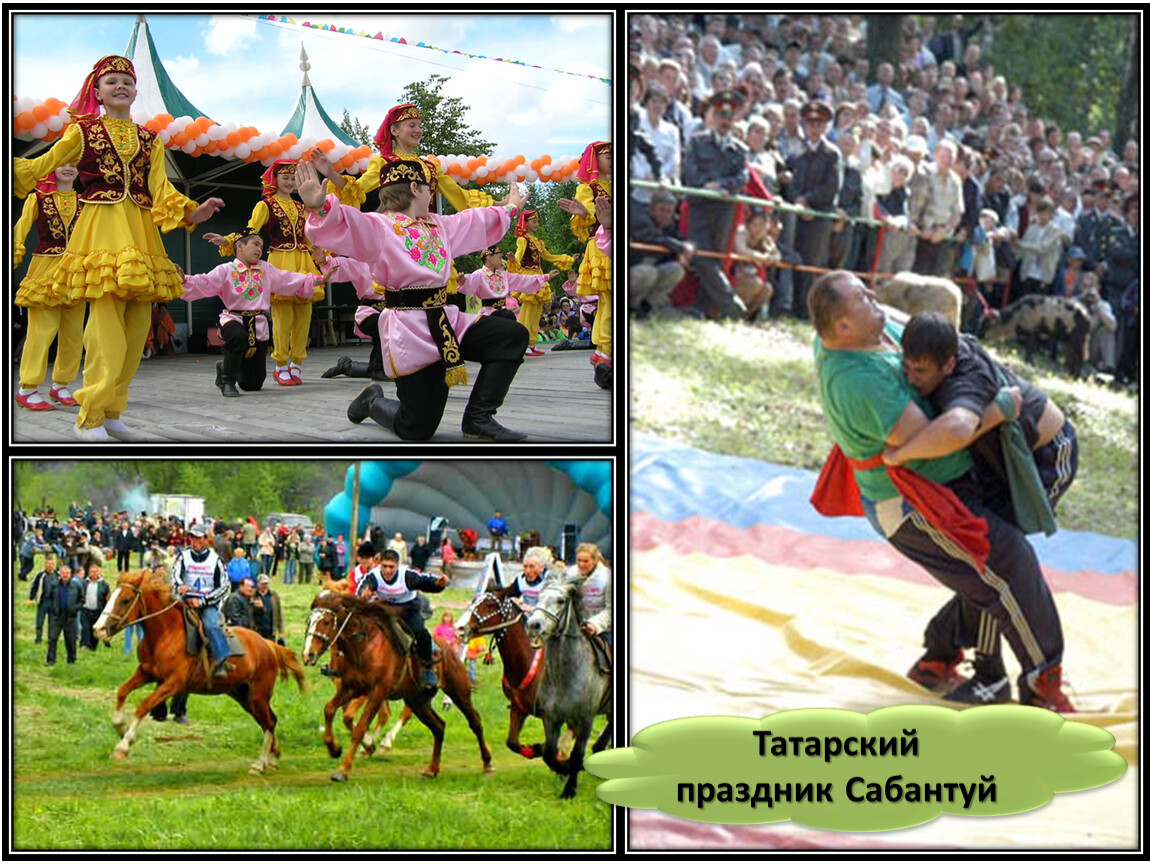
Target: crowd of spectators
{"x":967,"y":182}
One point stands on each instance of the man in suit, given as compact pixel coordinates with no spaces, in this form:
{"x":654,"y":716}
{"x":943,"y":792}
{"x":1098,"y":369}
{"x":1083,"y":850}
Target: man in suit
{"x":716,"y":160}
{"x":813,"y":184}
{"x":124,"y":542}
{"x":96,"y":593}
{"x":65,"y":596}
{"x":39,"y":596}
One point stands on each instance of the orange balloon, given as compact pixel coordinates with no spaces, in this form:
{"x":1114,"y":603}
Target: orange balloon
{"x":520,"y":159}
{"x":192,"y":130}
{"x":472,"y":164}
{"x":164,"y":119}
{"x":25,"y":120}
{"x":290,"y":140}
{"x":262,"y":153}
{"x":545,"y":160}
{"x":179,"y":139}
{"x":233,"y":139}
{"x":212,"y":147}
{"x":153,"y":124}
{"x":275,"y":148}
{"x":326,"y":145}
{"x":204,"y":123}
{"x":535,"y":164}
{"x":41,"y":113}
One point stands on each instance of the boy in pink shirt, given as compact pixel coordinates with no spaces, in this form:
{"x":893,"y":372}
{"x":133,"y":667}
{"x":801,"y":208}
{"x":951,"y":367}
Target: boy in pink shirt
{"x":493,"y":285}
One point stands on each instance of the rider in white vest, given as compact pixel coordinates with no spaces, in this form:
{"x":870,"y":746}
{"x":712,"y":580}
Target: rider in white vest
{"x":198,"y":576}
{"x":527,"y":587}
{"x":391,"y":583}
{"x":594,"y":577}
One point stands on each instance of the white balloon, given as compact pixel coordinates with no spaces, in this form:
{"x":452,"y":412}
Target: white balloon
{"x":363,"y":163}
{"x":39,"y":130}
{"x":546,"y":170}
{"x":24,"y":103}
{"x":532,"y":175}
{"x":243,"y":151}
{"x":55,"y":123}
{"x":202,"y":139}
{"x":190,"y":147}
{"x":140,"y":117}
{"x":481,"y":171}
{"x":521,"y":172}
{"x":165,"y":135}
{"x":215,"y":133}
{"x":296,"y":151}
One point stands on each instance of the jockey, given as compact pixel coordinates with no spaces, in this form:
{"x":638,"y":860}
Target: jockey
{"x":526,"y":588}
{"x":594,"y":578}
{"x":391,"y":583}
{"x":199,"y":577}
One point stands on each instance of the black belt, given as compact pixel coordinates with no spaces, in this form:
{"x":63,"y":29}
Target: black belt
{"x":431,"y":300}
{"x":500,"y":303}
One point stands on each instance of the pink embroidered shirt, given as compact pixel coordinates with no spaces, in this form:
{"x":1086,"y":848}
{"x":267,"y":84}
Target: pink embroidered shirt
{"x":248,"y":289}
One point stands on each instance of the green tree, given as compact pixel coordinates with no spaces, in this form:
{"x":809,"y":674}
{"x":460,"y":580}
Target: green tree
{"x":883,"y":41}
{"x":444,"y":128}
{"x":353,"y":127}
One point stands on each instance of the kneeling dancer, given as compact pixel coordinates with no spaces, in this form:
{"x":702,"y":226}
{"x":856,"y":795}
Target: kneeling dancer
{"x":424,"y":343}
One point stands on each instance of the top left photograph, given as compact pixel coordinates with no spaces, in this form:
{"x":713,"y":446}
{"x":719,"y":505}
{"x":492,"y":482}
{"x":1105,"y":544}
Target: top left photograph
{"x":311,"y":228}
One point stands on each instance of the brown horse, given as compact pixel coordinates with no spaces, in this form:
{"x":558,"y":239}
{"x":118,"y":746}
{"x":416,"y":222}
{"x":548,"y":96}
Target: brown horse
{"x":493,"y":613}
{"x":141,"y":598}
{"x":372,"y":666}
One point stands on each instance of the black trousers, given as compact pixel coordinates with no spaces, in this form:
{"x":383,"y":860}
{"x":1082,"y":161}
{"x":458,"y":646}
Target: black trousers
{"x":250,"y":372}
{"x":813,"y":243}
{"x":88,"y":619}
{"x":65,"y":624}
{"x":123,"y":559}
{"x":370,"y":326}
{"x":179,"y":707}
{"x":709,"y":228}
{"x":423,"y":394}
{"x":414,"y":621}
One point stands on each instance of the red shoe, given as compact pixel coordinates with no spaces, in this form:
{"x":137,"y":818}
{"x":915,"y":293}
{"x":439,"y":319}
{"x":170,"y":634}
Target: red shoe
{"x":938,"y":676}
{"x":40,"y":403}
{"x":284,"y":377}
{"x":63,"y":396}
{"x":294,"y":371}
{"x":598,"y":357}
{"x":1046,"y":691}
{"x":533,"y":352}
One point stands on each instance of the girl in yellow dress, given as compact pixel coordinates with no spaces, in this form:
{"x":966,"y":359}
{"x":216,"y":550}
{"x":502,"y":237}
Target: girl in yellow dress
{"x":289,"y":250}
{"x":53,"y":210}
{"x":115,"y":259}
{"x":530,"y":253}
{"x":595,"y":271}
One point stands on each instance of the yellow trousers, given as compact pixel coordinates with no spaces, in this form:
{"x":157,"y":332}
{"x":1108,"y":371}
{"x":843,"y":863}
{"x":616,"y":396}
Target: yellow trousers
{"x":114,"y":341}
{"x":530,"y":310}
{"x":290,"y":325}
{"x":43,"y":326}
{"x":601,"y":328}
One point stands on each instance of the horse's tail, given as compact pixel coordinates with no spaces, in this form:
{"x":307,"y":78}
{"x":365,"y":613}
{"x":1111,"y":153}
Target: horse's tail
{"x":289,"y":665}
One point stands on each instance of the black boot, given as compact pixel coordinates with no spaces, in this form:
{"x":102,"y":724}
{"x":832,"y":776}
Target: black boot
{"x":346,"y":366}
{"x":372,"y":403}
{"x":487,"y":395}
{"x":226,"y":372}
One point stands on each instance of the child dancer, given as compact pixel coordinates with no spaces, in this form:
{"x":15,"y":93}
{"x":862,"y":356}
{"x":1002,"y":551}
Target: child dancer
{"x":424,"y":342}
{"x":492,"y":285}
{"x":289,"y":250}
{"x":247,"y":286}
{"x":115,"y":258}
{"x":53,"y":209}
{"x":595,"y":271}
{"x":530,"y":253}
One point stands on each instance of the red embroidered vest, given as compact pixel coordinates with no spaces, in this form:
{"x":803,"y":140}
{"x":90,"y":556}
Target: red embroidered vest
{"x":107,"y":178}
{"x":284,"y":233}
{"x":53,"y":233}
{"x":531,"y":257}
{"x":597,"y":191}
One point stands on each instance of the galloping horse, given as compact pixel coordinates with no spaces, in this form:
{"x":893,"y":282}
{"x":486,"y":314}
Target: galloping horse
{"x":573,"y":690}
{"x":494,"y":613}
{"x":141,"y":598}
{"x":372,"y":666}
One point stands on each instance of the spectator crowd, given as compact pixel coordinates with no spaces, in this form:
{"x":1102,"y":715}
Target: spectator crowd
{"x":962,"y":179}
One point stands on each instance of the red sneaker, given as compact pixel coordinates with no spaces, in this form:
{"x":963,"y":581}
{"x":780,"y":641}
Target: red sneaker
{"x":34,"y":402}
{"x":598,"y":357}
{"x":938,"y":676}
{"x":284,"y":377}
{"x":533,"y":352}
{"x":63,"y":396}
{"x":1046,"y":692}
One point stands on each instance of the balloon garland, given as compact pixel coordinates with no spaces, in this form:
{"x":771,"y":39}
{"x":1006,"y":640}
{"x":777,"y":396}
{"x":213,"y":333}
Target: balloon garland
{"x":196,"y":136}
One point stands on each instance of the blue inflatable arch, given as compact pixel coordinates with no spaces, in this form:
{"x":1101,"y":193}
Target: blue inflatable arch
{"x":400,"y":496}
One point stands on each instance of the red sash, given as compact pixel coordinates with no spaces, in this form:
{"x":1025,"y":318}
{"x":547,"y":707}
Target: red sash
{"x":837,"y":493}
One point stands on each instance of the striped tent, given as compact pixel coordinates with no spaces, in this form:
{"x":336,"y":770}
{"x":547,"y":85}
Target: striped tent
{"x":309,"y":122}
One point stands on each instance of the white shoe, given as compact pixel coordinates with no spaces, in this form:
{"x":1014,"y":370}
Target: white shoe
{"x":95,"y":435}
{"x":120,"y":432}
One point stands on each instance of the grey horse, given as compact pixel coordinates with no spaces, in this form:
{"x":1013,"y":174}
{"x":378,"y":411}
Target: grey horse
{"x":573,"y":690}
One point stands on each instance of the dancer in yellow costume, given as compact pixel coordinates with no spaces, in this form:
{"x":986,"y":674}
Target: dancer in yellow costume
{"x":595,"y":271}
{"x":288,"y":250}
{"x":53,"y":209}
{"x":115,"y":258}
{"x":530,"y":253}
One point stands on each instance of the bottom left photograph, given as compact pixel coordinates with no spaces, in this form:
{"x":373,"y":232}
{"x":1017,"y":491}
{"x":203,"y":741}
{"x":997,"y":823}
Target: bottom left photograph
{"x":412,"y":654}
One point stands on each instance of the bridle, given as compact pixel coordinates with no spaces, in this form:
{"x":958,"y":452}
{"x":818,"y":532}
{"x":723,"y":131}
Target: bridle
{"x":562,"y":620}
{"x":326,"y":641}
{"x":503,"y":608}
{"x":137,"y":594}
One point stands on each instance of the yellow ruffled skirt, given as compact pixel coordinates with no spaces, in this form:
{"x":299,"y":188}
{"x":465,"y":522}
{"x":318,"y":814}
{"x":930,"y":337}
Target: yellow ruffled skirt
{"x":594,"y":271}
{"x":38,"y":286}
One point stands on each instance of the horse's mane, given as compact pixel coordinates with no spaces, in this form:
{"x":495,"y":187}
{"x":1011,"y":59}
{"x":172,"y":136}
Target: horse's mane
{"x":380,"y":613}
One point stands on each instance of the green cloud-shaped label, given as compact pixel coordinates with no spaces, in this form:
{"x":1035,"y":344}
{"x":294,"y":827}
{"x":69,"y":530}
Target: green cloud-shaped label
{"x":828,"y":768}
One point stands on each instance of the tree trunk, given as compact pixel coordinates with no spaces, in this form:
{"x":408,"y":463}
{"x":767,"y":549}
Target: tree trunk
{"x":883,"y":41}
{"x":1128,"y":99}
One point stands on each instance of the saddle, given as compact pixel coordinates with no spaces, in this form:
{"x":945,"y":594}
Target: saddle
{"x":197,"y":642}
{"x":602,"y":652}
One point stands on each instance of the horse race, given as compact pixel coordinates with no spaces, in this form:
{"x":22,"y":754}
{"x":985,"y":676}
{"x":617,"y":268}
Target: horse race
{"x":329,"y":603}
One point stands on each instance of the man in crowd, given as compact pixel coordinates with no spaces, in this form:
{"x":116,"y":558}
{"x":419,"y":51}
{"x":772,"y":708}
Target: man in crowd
{"x":267,"y":611}
{"x":39,"y":596}
{"x":717,"y":161}
{"x":655,"y":274}
{"x":238,"y":610}
{"x":497,"y":529}
{"x":65,"y":597}
{"x":124,"y":542}
{"x":96,"y":592}
{"x":420,"y":553}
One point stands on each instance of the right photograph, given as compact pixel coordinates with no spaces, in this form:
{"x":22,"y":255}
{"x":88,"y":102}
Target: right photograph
{"x":885,"y":267}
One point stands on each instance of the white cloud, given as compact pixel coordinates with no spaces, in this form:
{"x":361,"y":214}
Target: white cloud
{"x":181,"y":67}
{"x":575,"y":23}
{"x":230,"y":33}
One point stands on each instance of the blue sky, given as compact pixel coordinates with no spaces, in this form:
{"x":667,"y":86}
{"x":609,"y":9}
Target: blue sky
{"x":243,"y":70}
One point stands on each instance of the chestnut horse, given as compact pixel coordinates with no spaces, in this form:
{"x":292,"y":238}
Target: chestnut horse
{"x":145,"y":599}
{"x":494,"y":613}
{"x":371,"y":666}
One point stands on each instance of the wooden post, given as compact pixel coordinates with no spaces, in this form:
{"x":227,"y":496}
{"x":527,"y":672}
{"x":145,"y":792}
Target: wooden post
{"x":352,"y":546}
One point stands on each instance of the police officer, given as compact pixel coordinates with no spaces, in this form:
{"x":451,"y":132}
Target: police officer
{"x":198,"y":577}
{"x":813,"y":184}
{"x":716,"y":160}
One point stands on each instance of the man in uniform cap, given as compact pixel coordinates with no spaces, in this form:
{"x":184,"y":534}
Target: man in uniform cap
{"x":716,"y":160}
{"x":814,"y":184}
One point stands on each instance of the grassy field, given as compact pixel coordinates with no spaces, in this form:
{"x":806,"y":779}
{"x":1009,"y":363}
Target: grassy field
{"x":187,"y":787}
{"x":750,"y":391}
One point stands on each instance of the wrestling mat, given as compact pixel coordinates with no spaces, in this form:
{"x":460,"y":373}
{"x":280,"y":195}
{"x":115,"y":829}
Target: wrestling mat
{"x":744,"y":601}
